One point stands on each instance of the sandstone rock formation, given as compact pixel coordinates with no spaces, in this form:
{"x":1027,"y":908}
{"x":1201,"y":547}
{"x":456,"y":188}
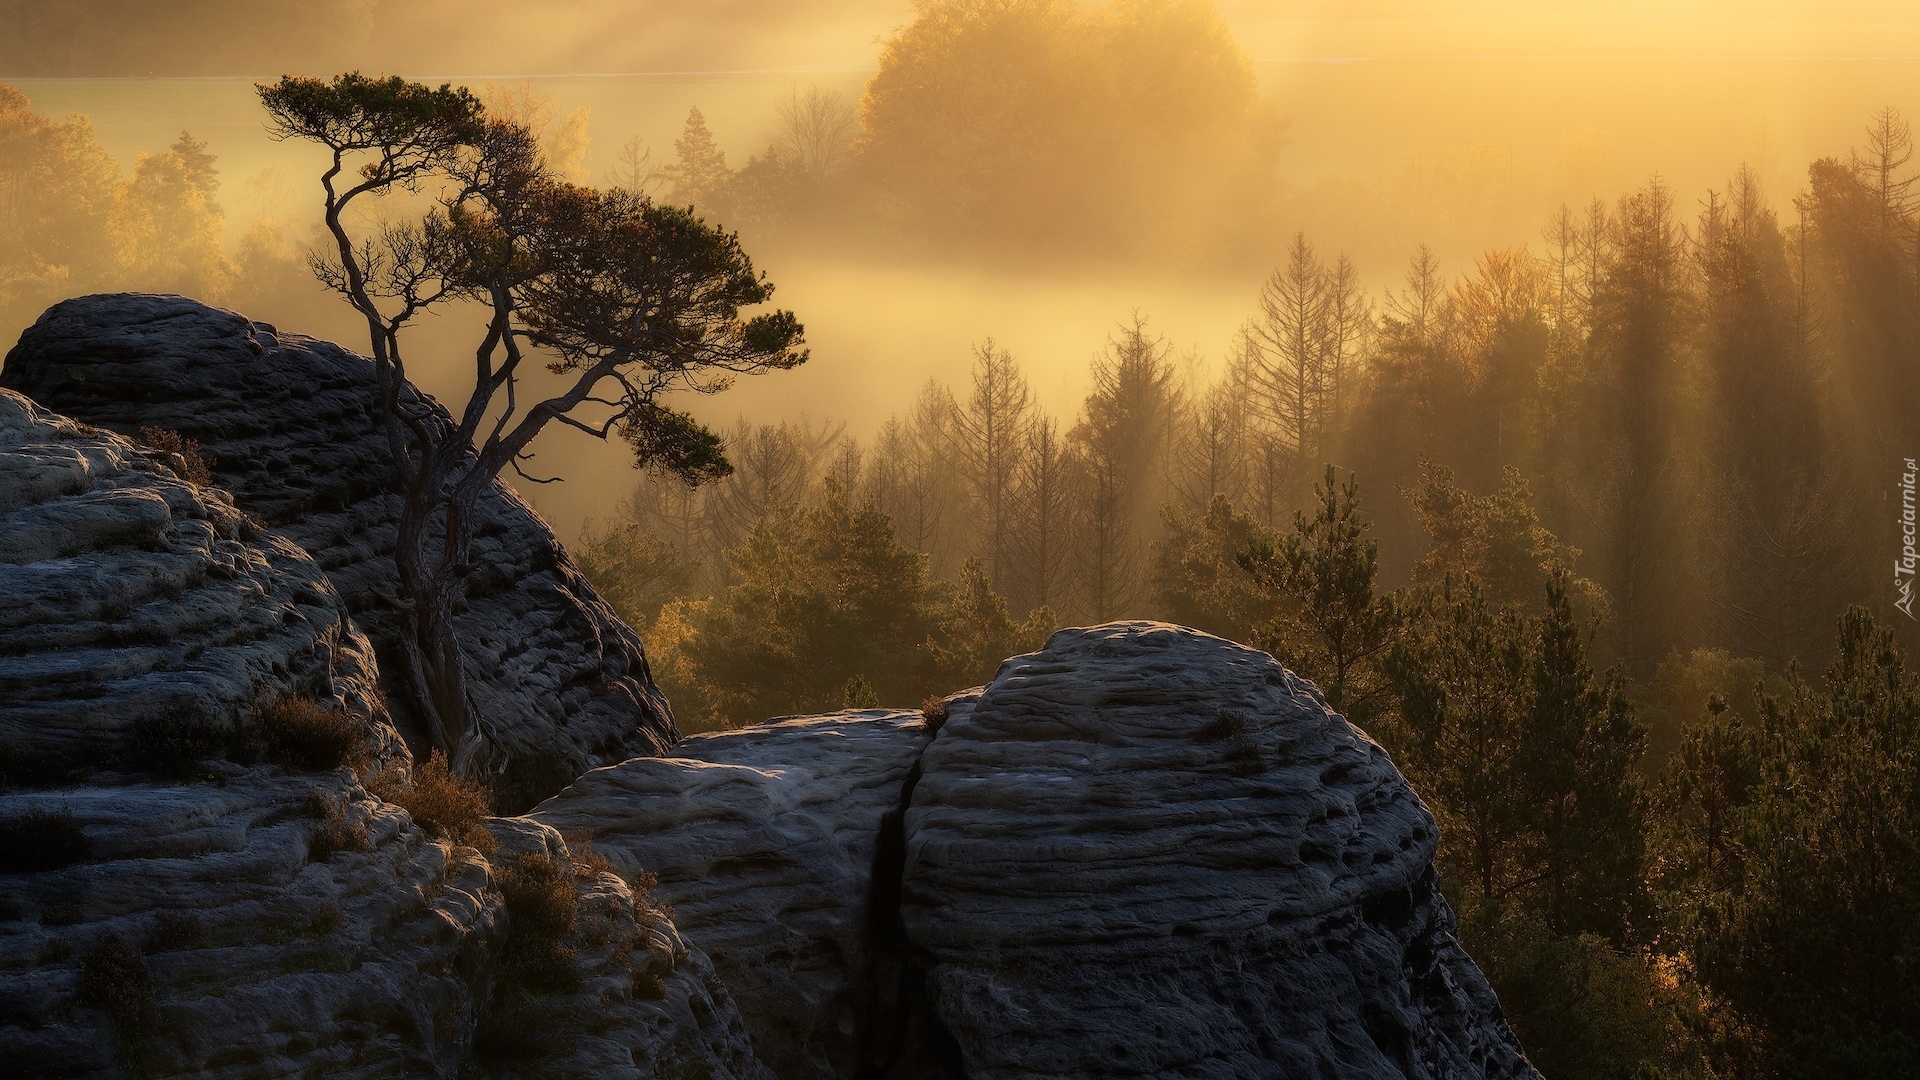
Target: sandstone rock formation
{"x":763,"y":842}
{"x":129,"y":594}
{"x":648,"y":1006}
{"x":1146,"y":851}
{"x":1141,"y":851}
{"x":289,"y":427}
{"x":168,"y":912}
{"x":241,"y":920}
{"x":208,"y":934}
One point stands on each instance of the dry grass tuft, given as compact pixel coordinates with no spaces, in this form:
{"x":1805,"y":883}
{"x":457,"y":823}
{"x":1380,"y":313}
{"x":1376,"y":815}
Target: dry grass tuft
{"x":307,"y":736}
{"x":442,"y":803}
{"x":543,"y":908}
{"x":183,"y":455}
{"x":935,"y":711}
{"x":332,"y":833}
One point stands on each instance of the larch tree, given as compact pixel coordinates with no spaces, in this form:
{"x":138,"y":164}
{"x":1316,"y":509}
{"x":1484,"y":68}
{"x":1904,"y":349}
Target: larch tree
{"x":1106,"y":551}
{"x":625,"y":302}
{"x":1210,"y":458}
{"x":773,"y":466}
{"x":1349,"y":334}
{"x":1040,"y":534}
{"x":990,"y":431}
{"x":1288,"y":362}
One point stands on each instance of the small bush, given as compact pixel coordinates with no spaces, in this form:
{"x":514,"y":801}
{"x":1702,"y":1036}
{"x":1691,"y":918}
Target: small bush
{"x":183,"y":455}
{"x":307,"y":736}
{"x":114,"y":979}
{"x":442,"y":803}
{"x":333,"y":833}
{"x":176,"y":742}
{"x":40,"y":839}
{"x":859,"y":694}
{"x":934,"y":709}
{"x":543,"y":907}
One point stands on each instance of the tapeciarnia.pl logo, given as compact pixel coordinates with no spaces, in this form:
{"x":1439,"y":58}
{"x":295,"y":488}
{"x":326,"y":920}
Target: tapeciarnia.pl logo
{"x":1903,"y":566}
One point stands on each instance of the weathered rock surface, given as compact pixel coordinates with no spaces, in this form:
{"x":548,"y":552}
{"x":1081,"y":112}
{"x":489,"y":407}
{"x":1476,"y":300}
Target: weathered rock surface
{"x":763,"y":842}
{"x":127,"y":593}
{"x":290,"y":427}
{"x":206,"y":936}
{"x":206,"y":929}
{"x":257,"y":920}
{"x":1146,"y":851}
{"x":648,"y":1007}
{"x":1141,"y":851}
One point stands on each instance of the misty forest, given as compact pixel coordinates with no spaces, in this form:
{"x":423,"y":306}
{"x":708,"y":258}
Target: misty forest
{"x":1592,"y":520}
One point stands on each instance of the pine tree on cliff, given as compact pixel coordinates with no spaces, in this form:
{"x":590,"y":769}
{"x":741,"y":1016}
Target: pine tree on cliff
{"x":624,"y":302}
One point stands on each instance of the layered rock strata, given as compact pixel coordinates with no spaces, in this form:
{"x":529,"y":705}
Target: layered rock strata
{"x":1146,"y":851}
{"x":208,"y":932}
{"x":1141,"y":851}
{"x":763,"y":842}
{"x":289,"y":426}
{"x":239,"y":920}
{"x":169,"y":911}
{"x":129,"y":595}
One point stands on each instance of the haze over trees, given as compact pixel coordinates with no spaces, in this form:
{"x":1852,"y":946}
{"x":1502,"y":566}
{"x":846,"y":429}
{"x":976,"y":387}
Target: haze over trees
{"x":1591,"y":532}
{"x":1569,"y":566}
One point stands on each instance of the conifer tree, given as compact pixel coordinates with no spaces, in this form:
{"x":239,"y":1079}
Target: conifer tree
{"x":700,"y":175}
{"x":990,"y":431}
{"x":1041,"y":534}
{"x":1332,"y":626}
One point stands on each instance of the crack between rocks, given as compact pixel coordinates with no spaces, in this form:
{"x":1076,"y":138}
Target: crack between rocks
{"x":901,"y":1036}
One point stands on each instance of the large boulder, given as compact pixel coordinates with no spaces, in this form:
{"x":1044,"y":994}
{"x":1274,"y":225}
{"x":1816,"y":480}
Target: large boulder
{"x":162,"y":915}
{"x":290,"y":426}
{"x":763,"y":842}
{"x":133,"y":599}
{"x":1141,"y":851}
{"x":193,"y":880}
{"x":1146,"y":851}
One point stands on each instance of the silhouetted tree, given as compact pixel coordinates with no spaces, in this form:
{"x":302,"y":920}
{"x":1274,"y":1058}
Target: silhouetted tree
{"x":1776,"y":540}
{"x":1040,"y":537}
{"x":1289,"y":359}
{"x":699,"y":174}
{"x":628,"y":300}
{"x":1641,"y":306}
